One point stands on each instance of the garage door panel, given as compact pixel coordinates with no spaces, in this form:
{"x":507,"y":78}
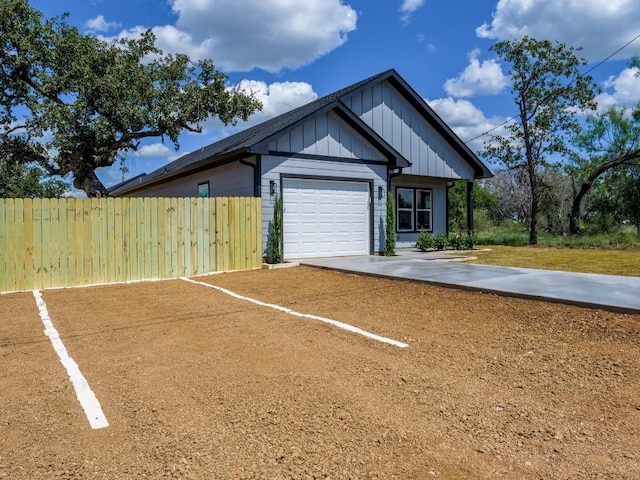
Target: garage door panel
{"x":325,"y":218}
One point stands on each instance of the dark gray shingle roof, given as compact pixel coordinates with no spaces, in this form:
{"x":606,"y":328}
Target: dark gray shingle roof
{"x":243,"y":141}
{"x":252,"y":135}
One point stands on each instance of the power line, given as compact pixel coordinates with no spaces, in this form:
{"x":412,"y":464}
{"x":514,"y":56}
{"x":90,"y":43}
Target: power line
{"x":612,"y":55}
{"x":510,"y":119}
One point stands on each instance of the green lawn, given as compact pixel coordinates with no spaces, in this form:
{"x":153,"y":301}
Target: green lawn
{"x":588,"y":260}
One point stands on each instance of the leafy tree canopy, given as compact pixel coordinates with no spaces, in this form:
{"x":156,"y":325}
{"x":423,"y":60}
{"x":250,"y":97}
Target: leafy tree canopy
{"x":609,"y":140}
{"x":24,"y":180}
{"x":92,"y":101}
{"x":548,"y":89}
{"x":483,"y":199}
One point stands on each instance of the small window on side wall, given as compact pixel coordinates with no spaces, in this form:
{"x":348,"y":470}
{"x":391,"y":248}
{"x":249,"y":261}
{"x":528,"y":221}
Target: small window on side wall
{"x":203,"y":190}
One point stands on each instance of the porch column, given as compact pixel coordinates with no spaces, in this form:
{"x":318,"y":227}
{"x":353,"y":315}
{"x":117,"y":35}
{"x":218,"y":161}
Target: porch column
{"x":470,"y":207}
{"x":447,"y":207}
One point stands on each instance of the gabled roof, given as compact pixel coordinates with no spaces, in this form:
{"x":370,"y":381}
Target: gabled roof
{"x":254,"y":139}
{"x":480,"y":169}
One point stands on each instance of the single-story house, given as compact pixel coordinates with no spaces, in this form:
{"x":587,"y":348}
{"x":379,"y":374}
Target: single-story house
{"x":333,"y":161}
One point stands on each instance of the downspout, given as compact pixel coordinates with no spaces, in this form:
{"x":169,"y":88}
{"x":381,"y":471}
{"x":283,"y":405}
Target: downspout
{"x":392,"y":175}
{"x":257,"y":191}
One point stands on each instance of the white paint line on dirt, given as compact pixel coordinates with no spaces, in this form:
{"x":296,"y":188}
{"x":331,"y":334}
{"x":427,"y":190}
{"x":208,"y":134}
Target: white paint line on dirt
{"x":335,"y":323}
{"x":86,"y":397}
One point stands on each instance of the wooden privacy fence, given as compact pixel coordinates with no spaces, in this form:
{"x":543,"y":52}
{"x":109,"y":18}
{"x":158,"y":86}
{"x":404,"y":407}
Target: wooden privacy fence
{"x":69,"y":241}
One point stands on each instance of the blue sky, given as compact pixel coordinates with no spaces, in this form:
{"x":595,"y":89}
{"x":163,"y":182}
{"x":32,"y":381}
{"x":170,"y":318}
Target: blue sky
{"x":292,"y":51}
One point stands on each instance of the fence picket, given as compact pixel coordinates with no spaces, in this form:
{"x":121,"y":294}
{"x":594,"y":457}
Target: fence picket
{"x":68,"y":241}
{"x":3,"y":246}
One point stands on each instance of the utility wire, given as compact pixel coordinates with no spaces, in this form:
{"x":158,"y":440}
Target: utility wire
{"x":510,"y":119}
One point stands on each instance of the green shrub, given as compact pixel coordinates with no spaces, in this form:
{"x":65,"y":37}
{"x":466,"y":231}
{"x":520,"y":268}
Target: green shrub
{"x":456,"y":242}
{"x":514,"y":234}
{"x":390,"y":228}
{"x":470,"y":241}
{"x":440,"y":240}
{"x":481,"y":221}
{"x":274,"y":239}
{"x":425,"y":241}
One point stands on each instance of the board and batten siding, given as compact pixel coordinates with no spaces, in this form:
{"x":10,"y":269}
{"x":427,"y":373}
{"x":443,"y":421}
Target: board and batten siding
{"x":230,"y":180}
{"x":326,"y":135}
{"x":439,"y":204}
{"x":390,"y":115}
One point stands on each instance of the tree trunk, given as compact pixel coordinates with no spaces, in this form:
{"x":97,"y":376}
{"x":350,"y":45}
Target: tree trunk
{"x":535,"y":204}
{"x":533,"y":223}
{"x":574,"y":215}
{"x":91,"y":185}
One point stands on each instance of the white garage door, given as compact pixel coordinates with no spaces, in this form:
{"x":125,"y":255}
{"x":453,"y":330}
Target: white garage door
{"x":325,"y":218}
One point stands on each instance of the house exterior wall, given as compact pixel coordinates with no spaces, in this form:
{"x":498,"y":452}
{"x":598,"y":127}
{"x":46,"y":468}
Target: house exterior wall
{"x":330,"y":149}
{"x":439,"y":204}
{"x":326,"y":135}
{"x":391,"y":116}
{"x":230,"y":180}
{"x":276,"y":167}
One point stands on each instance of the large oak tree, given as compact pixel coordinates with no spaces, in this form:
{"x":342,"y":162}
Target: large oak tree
{"x":21,"y":178}
{"x":89,"y":101}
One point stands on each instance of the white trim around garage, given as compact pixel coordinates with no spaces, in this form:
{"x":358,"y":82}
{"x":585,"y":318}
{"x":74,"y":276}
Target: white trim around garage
{"x":326,"y":218}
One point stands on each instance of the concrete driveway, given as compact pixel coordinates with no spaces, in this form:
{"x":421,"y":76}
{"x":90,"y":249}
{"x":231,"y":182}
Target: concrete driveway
{"x":610,"y":292}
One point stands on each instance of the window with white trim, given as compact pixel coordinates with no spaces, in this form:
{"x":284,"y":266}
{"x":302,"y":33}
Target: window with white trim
{"x":404,"y":205}
{"x":414,"y":210}
{"x":423,"y":210}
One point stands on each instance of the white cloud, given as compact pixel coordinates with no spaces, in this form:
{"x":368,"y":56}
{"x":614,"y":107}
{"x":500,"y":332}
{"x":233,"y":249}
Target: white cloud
{"x":99,"y":24}
{"x":431,"y":48}
{"x":484,"y":78}
{"x":15,"y":127}
{"x":153,"y":150}
{"x":279,"y":97}
{"x":626,"y":90}
{"x":599,"y":26}
{"x":276,"y":98}
{"x":244,"y":34}
{"x":408,"y":7}
{"x":466,"y":120}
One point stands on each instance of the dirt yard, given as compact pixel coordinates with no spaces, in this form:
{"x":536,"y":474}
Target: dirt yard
{"x":198,"y":384}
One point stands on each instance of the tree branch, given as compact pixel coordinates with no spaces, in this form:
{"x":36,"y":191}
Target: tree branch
{"x":22,"y":76}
